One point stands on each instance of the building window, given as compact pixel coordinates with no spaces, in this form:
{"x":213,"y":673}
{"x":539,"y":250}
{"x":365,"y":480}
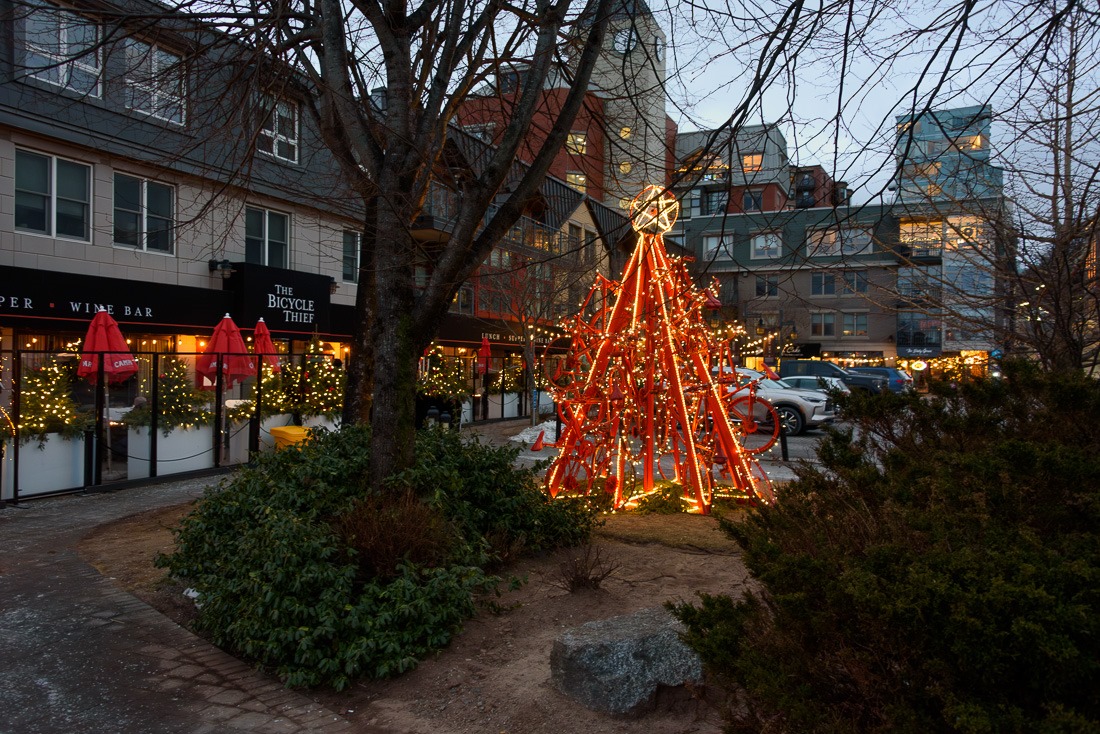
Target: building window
{"x":350,"y":269}
{"x":579,"y":181}
{"x":624,"y":41}
{"x":822,"y":324}
{"x":626,"y":167}
{"x":278,"y":135}
{"x":52,"y":196}
{"x":855,"y":324}
{"x":625,"y":132}
{"x":855,"y":281}
{"x":482,"y":131}
{"x":464,"y":300}
{"x":822,"y":243}
{"x":154,"y":81}
{"x":822,"y":284}
{"x":715,"y":245}
{"x":714,"y":202}
{"x":577,"y":143}
{"x":767,"y":285}
{"x":766,"y":245}
{"x":266,"y":237}
{"x":752,"y":163}
{"x":61,"y":48}
{"x":624,"y":203}
{"x":752,"y":201}
{"x":855,"y":240}
{"x":144,"y":214}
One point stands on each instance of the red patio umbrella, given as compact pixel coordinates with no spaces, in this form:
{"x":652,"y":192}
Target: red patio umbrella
{"x":263,"y":345}
{"x":226,"y":352}
{"x":483,"y":354}
{"x":104,"y":337}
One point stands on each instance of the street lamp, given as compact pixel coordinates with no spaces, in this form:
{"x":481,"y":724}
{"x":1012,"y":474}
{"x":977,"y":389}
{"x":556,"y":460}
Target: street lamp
{"x":761,"y":330}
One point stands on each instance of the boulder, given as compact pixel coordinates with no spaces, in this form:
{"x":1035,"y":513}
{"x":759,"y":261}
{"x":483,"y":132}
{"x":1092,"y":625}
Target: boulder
{"x":618,"y":665}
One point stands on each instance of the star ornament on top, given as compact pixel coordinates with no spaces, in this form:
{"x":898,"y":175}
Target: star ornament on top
{"x":654,"y":210}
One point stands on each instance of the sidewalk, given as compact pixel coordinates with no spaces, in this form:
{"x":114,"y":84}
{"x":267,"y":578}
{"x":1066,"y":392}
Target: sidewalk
{"x":79,"y":655}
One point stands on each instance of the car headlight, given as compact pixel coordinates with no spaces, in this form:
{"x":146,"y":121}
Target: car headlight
{"x":815,"y":400}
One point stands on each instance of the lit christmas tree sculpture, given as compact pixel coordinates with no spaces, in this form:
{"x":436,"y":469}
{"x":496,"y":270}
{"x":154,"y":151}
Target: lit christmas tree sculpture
{"x":648,"y":388}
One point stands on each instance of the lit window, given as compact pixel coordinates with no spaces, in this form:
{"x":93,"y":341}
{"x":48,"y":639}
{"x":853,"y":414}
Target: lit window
{"x":752,"y":201}
{"x":267,"y":238}
{"x":752,"y":163}
{"x":579,"y":181}
{"x":625,"y":132}
{"x":52,"y":196}
{"x":154,"y":82}
{"x":626,"y":167}
{"x":624,"y":202}
{"x":822,"y":243}
{"x":577,"y":143}
{"x":822,"y":324}
{"x":766,"y":245}
{"x":855,"y":324}
{"x":278,"y":135}
{"x":61,"y":48}
{"x":144,"y":214}
{"x":350,"y":270}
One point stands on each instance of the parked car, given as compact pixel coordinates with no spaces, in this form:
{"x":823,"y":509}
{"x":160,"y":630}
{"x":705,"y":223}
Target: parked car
{"x":821,"y":384}
{"x":797,"y":409}
{"x":817,"y":368}
{"x":897,"y":380}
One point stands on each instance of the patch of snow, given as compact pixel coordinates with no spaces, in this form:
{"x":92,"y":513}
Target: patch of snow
{"x":531,"y":434}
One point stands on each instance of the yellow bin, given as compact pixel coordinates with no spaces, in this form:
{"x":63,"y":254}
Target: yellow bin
{"x":288,"y":436}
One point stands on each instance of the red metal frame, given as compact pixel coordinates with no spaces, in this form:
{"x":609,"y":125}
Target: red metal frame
{"x":646,"y":381}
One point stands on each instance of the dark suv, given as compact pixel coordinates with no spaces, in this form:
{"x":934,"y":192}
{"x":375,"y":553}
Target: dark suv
{"x":897,"y":380}
{"x":816,"y":368}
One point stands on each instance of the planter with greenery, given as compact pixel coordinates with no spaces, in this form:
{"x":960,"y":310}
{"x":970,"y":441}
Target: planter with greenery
{"x":444,"y":383}
{"x":314,"y":389}
{"x":185,"y":426}
{"x":299,"y":568}
{"x":51,"y":433}
{"x":276,"y":409}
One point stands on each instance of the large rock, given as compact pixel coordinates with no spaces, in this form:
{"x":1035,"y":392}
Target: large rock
{"x":617,"y":665}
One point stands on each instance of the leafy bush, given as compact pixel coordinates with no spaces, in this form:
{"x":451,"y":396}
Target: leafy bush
{"x":478,"y":487}
{"x":667,"y":498}
{"x":941,"y":572}
{"x":298,"y":567}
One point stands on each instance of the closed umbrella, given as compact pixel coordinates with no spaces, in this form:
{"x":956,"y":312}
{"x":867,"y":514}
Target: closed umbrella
{"x":263,"y":345}
{"x":104,"y":339}
{"x":483,"y":353}
{"x":226,"y":353}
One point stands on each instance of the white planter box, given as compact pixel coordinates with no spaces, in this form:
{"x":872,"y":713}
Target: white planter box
{"x":57,"y":465}
{"x":183,"y":449}
{"x":510,"y":401}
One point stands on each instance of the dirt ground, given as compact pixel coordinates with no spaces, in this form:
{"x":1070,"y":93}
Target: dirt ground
{"x":495,"y":676}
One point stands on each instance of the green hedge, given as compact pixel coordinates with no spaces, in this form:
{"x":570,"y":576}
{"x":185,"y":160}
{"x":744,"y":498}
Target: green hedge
{"x":940,"y":571}
{"x":282,"y":580}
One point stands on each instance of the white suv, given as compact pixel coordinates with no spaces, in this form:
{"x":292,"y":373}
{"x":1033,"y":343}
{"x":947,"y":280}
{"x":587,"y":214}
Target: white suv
{"x":797,"y":409}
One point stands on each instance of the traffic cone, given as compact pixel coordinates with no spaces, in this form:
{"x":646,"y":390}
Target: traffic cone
{"x":538,"y":442}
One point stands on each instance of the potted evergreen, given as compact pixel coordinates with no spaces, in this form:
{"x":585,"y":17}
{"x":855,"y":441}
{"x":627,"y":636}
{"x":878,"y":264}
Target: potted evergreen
{"x":185,"y":426}
{"x":442,"y":382}
{"x":315,"y":388}
{"x":51,"y":433}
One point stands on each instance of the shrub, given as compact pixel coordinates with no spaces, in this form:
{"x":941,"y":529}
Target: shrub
{"x":298,"y":567}
{"x":939,"y":572}
{"x":667,"y":498}
{"x":585,"y":568}
{"x":479,"y":488}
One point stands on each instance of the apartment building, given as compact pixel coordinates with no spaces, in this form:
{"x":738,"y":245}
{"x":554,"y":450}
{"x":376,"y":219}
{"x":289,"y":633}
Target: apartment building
{"x":811,"y":275}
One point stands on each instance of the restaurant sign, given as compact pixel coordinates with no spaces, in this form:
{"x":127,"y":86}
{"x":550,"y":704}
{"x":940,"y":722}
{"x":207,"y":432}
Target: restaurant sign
{"x":290,"y":302}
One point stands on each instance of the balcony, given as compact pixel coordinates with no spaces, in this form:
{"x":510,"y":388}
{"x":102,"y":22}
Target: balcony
{"x":437,"y":218}
{"x":921,"y":251}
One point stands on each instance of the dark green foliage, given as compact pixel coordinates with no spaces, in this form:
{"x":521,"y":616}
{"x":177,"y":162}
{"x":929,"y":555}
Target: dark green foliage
{"x":300,"y":569}
{"x":667,"y":498}
{"x":941,"y":572}
{"x":478,"y":488}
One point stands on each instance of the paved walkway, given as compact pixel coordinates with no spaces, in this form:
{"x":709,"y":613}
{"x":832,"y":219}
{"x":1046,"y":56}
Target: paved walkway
{"x":79,"y":655}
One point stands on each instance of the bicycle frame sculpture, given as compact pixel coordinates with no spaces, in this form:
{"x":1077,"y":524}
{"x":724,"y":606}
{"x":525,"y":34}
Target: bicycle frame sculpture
{"x":648,"y":389}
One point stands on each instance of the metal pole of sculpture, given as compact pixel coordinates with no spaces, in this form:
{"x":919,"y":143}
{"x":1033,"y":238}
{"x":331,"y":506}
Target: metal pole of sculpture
{"x":647,"y":388}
